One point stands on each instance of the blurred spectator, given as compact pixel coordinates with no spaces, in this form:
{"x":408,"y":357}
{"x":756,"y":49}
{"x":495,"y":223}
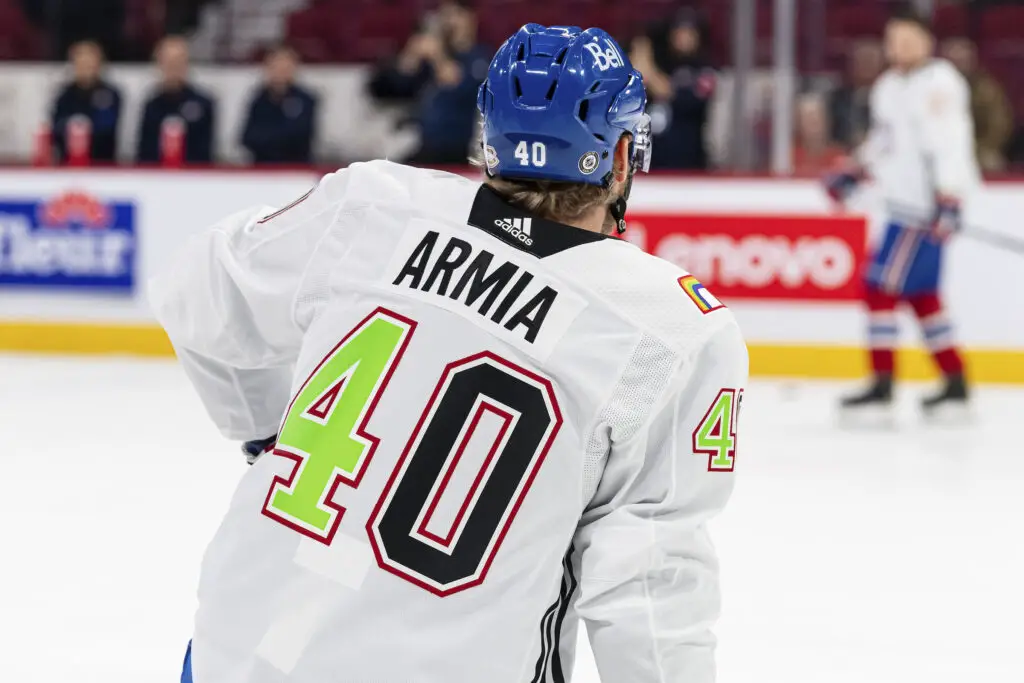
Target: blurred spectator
{"x":850,"y":103}
{"x":88,"y":95}
{"x":814,"y":152}
{"x":680,"y":83}
{"x":990,"y":107}
{"x":279,"y":127}
{"x":443,"y":65}
{"x":175,"y":97}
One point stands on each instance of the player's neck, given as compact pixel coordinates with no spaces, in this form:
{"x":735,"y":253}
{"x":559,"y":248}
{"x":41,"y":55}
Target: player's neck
{"x":592,"y":221}
{"x":912,"y":67}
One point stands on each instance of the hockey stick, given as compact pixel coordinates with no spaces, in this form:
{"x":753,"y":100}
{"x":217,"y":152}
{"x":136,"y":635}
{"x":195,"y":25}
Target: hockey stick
{"x":995,"y":239}
{"x":984,"y":235}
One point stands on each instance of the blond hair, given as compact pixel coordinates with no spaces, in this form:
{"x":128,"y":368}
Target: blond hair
{"x":560,"y":202}
{"x":555,"y":201}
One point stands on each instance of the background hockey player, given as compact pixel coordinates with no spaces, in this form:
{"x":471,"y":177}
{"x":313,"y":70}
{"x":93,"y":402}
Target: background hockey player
{"x":920,"y":153}
{"x":492,"y":419}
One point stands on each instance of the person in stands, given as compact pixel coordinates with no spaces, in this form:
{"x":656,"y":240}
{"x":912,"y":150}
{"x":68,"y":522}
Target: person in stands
{"x":88,"y":95}
{"x":991,"y":110}
{"x":175,"y":97}
{"x":282,"y":114}
{"x":442,"y":65}
{"x":814,"y":152}
{"x":681,"y":83}
{"x":849,"y":105}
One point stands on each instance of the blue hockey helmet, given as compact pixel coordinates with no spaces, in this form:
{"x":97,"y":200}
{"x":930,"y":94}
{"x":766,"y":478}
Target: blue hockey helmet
{"x":555,"y":103}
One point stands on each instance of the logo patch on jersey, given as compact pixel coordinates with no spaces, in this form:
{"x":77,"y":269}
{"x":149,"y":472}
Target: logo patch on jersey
{"x":519,"y":228}
{"x":699,"y":294}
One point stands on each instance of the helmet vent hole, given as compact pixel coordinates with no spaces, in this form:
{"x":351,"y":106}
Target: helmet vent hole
{"x":518,"y":87}
{"x":561,"y":55}
{"x":521,"y":55}
{"x":551,"y":90}
{"x":600,"y":137}
{"x":584,"y":109}
{"x":593,"y":88}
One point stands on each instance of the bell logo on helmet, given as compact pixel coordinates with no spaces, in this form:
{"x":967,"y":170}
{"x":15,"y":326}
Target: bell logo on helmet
{"x":607,"y":57}
{"x":588,"y":163}
{"x":519,"y":228}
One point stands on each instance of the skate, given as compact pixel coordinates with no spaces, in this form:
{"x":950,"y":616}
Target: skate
{"x":950,"y":404}
{"x":871,"y":407}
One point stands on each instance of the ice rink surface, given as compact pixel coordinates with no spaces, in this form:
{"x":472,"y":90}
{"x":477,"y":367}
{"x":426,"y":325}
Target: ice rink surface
{"x":849,"y":555}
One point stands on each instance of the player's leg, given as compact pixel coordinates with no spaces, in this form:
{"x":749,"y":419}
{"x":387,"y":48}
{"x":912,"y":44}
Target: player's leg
{"x":883,"y":331}
{"x":922,"y":293}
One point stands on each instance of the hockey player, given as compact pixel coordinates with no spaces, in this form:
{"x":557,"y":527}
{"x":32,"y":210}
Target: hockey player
{"x":492,"y":419}
{"x":920,"y":153}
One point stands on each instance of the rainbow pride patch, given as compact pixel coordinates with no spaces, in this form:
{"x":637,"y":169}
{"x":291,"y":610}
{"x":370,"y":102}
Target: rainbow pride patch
{"x":699,"y":294}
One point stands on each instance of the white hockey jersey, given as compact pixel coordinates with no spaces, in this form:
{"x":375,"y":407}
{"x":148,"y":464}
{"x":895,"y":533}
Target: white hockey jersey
{"x":921,"y":142}
{"x":490,"y":427}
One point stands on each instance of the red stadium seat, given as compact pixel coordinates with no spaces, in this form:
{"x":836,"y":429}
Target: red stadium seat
{"x":380,"y":31}
{"x":1001,"y":23}
{"x":849,"y":21}
{"x":305,"y":30}
{"x":18,"y":39}
{"x":951,"y":21}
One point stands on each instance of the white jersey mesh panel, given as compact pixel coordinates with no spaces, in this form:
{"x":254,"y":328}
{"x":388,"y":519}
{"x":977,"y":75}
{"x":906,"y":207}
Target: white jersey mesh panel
{"x":634,"y":397}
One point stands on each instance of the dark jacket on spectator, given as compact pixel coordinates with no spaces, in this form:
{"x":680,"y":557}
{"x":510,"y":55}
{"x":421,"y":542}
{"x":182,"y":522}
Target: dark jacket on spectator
{"x":678,"y":124}
{"x":850,"y":113}
{"x":680,"y":145}
{"x":101,"y":104}
{"x":195,"y":109}
{"x":279,"y":129}
{"x":446,"y":115}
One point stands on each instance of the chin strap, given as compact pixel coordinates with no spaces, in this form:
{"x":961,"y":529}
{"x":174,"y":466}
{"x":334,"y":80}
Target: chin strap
{"x":618,"y":212}
{"x":618,"y":207}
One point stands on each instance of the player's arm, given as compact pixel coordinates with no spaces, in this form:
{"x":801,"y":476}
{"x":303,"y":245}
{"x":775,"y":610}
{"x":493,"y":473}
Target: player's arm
{"x":947,"y":133}
{"x":228,"y":302}
{"x":649,"y":582}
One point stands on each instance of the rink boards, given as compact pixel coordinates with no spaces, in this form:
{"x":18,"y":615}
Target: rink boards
{"x":77,"y":247}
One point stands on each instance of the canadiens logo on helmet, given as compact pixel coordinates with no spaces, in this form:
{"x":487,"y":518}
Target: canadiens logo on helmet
{"x":490,"y":156}
{"x":589,"y":162}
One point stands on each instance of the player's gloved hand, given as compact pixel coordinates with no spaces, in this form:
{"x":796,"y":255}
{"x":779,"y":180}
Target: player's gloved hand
{"x":842,"y":182}
{"x":254,"y":449}
{"x":948,"y":218}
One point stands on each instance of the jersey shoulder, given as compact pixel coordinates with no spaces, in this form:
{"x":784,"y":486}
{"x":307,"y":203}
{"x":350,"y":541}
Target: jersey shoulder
{"x":657,"y":296}
{"x":941,"y":75}
{"x":424,"y":191}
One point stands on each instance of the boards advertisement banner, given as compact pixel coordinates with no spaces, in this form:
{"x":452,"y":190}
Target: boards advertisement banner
{"x":786,"y":258}
{"x":68,"y":241}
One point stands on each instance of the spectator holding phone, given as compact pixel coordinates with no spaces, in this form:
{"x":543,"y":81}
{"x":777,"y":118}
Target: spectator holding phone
{"x":442,"y":66}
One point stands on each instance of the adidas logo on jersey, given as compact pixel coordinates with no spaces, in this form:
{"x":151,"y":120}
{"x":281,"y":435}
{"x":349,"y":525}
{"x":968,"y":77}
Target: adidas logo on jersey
{"x":518,"y":228}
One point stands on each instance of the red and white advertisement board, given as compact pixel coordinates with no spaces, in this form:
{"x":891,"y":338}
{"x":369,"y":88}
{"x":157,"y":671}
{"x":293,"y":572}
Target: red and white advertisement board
{"x":817,"y":258}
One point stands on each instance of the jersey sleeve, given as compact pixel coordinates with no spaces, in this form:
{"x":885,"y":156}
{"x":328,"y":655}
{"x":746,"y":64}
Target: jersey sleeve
{"x":228,"y":305}
{"x":649,"y":590}
{"x":948,"y":133}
